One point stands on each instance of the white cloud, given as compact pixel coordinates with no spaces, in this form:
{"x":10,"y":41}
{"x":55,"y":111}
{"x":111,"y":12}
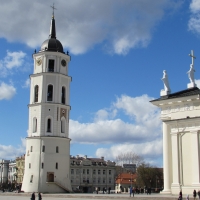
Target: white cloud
{"x":27,"y":83}
{"x":7,"y":91}
{"x":150,"y":151}
{"x":119,"y":25}
{"x":12,"y":60}
{"x":142,"y":134}
{"x":194,"y":22}
{"x":10,"y":152}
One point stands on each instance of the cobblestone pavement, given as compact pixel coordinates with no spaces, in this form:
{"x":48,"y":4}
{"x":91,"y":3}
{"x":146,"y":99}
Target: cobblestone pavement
{"x":24,"y":196}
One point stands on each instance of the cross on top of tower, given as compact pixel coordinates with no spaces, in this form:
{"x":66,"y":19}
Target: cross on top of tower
{"x":192,"y":56}
{"x":53,"y":7}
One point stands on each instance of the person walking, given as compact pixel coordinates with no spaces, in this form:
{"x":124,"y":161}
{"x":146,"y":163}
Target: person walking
{"x":198,"y":194}
{"x":194,"y":194}
{"x":131,"y":191}
{"x":187,"y":197}
{"x":39,"y":196}
{"x":33,"y":196}
{"x":180,"y":195}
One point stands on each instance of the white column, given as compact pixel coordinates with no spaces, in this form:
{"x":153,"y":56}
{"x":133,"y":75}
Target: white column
{"x":195,"y":159}
{"x":166,"y":158}
{"x":175,"y":160}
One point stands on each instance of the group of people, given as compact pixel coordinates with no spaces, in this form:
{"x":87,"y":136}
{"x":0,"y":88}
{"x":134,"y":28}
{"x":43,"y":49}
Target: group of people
{"x":33,"y":196}
{"x":195,"y":194}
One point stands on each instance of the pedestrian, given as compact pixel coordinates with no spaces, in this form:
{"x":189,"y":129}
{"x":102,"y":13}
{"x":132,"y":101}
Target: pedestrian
{"x":180,"y":195}
{"x":198,"y":194}
{"x":131,"y":190}
{"x":187,"y":197}
{"x":194,"y":194}
{"x":39,"y":196}
{"x":33,"y":196}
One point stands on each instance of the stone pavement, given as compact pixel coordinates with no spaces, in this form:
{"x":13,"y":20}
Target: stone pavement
{"x":25,"y":196}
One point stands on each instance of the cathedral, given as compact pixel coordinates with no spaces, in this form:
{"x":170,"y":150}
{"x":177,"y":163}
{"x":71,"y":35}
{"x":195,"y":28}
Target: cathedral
{"x":47,"y":159}
{"x":180,"y":115}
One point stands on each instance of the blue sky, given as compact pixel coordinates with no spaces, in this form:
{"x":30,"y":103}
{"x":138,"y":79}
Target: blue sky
{"x":118,"y":50}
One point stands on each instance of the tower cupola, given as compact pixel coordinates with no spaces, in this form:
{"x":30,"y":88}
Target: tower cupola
{"x":52,"y":44}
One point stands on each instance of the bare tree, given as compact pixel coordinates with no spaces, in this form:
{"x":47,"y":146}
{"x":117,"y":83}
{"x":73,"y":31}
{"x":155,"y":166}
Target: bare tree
{"x":129,"y":158}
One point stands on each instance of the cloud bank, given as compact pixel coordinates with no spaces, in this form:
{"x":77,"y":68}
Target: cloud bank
{"x":142,"y":134}
{"x":117,"y":25}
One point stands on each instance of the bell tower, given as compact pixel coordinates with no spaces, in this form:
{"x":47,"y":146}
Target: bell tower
{"x":47,"y":160}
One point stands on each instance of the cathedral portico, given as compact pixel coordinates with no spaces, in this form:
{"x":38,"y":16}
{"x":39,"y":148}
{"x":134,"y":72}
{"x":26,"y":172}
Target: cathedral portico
{"x":180,"y":114}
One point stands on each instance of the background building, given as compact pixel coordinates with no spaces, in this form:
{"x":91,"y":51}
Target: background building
{"x":4,"y":166}
{"x":87,"y":174}
{"x":20,"y":167}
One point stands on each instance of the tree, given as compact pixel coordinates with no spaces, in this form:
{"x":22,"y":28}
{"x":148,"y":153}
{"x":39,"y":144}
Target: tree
{"x":149,"y":176}
{"x":129,"y":158}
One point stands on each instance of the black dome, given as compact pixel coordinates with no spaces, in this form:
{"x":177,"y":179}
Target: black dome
{"x":52,"y":44}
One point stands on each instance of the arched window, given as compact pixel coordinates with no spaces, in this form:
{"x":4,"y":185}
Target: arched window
{"x":34,"y":125}
{"x":63,"y":125}
{"x":63,"y":95}
{"x":36,"y":93}
{"x":50,"y":93}
{"x":49,"y":125}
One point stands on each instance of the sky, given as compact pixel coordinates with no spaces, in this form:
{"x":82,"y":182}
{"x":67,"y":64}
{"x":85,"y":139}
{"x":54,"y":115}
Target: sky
{"x":119,"y":49}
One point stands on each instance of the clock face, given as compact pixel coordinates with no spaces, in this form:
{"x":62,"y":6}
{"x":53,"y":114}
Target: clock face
{"x":63,"y":63}
{"x":39,"y":61}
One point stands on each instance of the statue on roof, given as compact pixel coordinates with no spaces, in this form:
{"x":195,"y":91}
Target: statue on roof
{"x":165,"y":81}
{"x":191,"y":73}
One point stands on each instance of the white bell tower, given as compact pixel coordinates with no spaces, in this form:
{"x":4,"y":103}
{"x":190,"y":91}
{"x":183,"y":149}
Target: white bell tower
{"x":47,"y":161}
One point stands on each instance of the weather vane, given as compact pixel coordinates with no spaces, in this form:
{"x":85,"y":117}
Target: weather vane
{"x":53,"y":9}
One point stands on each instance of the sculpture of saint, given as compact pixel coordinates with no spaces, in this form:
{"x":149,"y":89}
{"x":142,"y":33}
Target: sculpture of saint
{"x":191,"y":73}
{"x":165,"y":81}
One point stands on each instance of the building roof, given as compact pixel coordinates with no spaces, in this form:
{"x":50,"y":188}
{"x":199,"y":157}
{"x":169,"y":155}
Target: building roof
{"x":52,"y":44}
{"x":126,"y":178}
{"x":183,"y":93}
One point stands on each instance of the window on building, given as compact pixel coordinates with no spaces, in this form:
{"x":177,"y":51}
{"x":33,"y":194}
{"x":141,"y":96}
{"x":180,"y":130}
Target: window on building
{"x":104,"y":180}
{"x":72,"y":171}
{"x":94,"y":180}
{"x":104,"y":171}
{"x":29,"y":165}
{"x":99,"y":180}
{"x":83,"y":171}
{"x":50,"y":93}
{"x":36,"y":93}
{"x":34,"y":125}
{"x":56,"y":165}
{"x":31,"y":149}
{"x":63,"y":95}
{"x":94,"y":171}
{"x":109,"y":172}
{"x":31,"y":180}
{"x":57,"y":149}
{"x":51,"y":65}
{"x":110,"y":180}
{"x":49,"y":125}
{"x":42,"y":166}
{"x":99,"y":171}
{"x":43,"y":148}
{"x":88,"y":171}
{"x":63,"y":125}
